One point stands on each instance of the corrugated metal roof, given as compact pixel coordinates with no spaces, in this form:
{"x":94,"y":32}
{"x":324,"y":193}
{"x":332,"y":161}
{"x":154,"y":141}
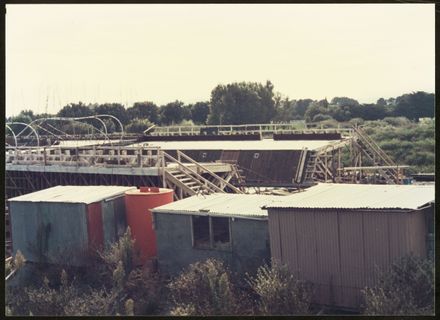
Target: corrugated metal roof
{"x":221,"y":204}
{"x":359,"y":196}
{"x":265,"y":144}
{"x":74,"y":194}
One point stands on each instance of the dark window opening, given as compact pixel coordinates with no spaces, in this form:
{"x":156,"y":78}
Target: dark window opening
{"x":211,"y":232}
{"x":220,"y":230}
{"x":201,"y":232}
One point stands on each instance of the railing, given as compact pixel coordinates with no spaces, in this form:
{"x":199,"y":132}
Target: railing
{"x":295,"y":127}
{"x":86,"y":156}
{"x":374,"y":147}
{"x":223,"y":183}
{"x":203,"y":182}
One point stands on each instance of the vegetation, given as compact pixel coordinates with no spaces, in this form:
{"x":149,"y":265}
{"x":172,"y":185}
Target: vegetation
{"x":407,"y":288}
{"x":280,"y":292}
{"x":204,"y":289}
{"x":111,"y":286}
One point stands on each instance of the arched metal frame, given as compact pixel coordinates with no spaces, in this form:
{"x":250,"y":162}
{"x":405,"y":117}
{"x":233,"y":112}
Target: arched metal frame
{"x":13,"y":134}
{"x":95,"y":117}
{"x":27,"y":125}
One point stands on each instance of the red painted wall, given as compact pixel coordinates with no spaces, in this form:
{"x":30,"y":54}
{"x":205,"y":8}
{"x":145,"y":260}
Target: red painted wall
{"x":94,"y":226}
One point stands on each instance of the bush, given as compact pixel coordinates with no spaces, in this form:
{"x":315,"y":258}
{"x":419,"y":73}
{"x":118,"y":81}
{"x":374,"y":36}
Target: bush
{"x":120,"y":252}
{"x":280,"y":292}
{"x":112,"y":286}
{"x":138,"y":125}
{"x":407,"y":288}
{"x":204,"y":289}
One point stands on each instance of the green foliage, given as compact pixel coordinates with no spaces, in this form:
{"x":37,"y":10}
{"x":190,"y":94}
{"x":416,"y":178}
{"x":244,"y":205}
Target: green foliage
{"x":280,"y":292}
{"x":407,"y":288}
{"x":120,"y":254}
{"x":25,"y":116}
{"x":138,"y":125}
{"x":415,"y":105}
{"x":200,"y":112}
{"x":118,"y":288}
{"x":321,"y":117}
{"x":114,"y":109}
{"x":171,"y":113}
{"x":406,"y":142}
{"x":144,"y":110}
{"x":315,"y":108}
{"x":244,"y":102}
{"x":75,"y":110}
{"x":204,"y":289}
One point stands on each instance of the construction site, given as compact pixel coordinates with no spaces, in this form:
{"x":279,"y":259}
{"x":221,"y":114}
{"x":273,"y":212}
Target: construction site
{"x":253,"y":166}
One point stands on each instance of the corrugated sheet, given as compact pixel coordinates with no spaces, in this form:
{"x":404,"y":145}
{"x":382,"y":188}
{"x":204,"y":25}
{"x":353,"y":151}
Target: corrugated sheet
{"x":265,"y":144}
{"x":246,"y":205}
{"x":359,"y":196}
{"x":74,"y":194}
{"x":341,"y":250}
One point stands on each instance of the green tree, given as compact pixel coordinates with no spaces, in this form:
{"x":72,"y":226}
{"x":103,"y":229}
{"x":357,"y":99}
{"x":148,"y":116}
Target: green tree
{"x":114,"y":109}
{"x":315,"y":108}
{"x":344,"y":101}
{"x":75,"y":110}
{"x":244,"y":102}
{"x":144,"y":110}
{"x":200,"y":112}
{"x":171,"y":113}
{"x":415,"y":105}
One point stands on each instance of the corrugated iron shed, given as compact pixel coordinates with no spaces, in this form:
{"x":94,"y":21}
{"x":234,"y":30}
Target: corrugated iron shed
{"x":221,"y":204}
{"x":265,"y":144}
{"x":73,"y":194}
{"x":359,"y":196}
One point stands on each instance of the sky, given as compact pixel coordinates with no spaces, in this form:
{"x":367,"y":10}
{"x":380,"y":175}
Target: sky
{"x":58,"y":54}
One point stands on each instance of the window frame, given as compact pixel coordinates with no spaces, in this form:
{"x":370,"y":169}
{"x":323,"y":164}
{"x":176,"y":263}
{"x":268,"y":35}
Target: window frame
{"x":212,"y":245}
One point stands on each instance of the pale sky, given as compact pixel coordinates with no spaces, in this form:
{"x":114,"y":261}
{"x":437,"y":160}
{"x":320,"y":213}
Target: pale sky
{"x":165,"y":52}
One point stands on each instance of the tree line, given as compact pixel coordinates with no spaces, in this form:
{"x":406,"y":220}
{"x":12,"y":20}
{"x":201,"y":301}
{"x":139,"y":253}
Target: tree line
{"x":248,"y":103}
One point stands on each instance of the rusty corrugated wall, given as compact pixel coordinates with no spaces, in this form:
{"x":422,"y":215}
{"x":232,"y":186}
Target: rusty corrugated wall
{"x":340,"y":250}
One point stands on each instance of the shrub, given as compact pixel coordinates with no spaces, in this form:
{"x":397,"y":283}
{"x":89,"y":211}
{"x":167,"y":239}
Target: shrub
{"x":120,"y":252}
{"x":138,"y":125}
{"x":407,"y":288}
{"x":145,"y":288}
{"x":204,"y":289}
{"x":280,"y":292}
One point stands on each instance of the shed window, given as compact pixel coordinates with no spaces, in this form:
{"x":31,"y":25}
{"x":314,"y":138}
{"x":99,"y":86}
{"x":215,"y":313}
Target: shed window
{"x":201,"y":232}
{"x":211,"y":232}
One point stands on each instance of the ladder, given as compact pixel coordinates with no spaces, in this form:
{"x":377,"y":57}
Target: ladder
{"x":376,"y":155}
{"x":189,"y":181}
{"x":311,"y":165}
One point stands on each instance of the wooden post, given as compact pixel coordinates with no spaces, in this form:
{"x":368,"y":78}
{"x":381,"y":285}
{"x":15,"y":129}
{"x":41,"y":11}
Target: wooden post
{"x":339,"y":164}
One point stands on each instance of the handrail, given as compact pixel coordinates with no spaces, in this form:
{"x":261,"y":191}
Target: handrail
{"x":261,"y":128}
{"x":192,"y":171}
{"x":374,"y":145}
{"x":392,"y":174}
{"x":80,"y":155}
{"x":209,"y":172}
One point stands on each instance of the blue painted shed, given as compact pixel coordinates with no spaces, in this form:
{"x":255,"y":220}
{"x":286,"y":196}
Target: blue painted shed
{"x":64,"y":224}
